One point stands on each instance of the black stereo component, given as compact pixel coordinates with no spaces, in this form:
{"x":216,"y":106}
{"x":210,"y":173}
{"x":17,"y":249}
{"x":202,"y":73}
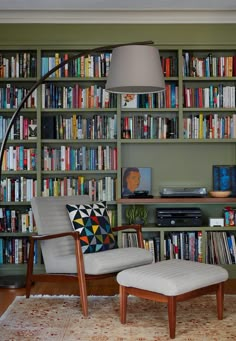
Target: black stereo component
{"x":179,"y":217}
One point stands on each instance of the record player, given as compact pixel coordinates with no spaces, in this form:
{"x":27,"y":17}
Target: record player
{"x":188,"y":216}
{"x":181,"y":192}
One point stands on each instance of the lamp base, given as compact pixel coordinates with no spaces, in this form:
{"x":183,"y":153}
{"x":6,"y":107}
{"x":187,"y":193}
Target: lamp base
{"x":12,"y":282}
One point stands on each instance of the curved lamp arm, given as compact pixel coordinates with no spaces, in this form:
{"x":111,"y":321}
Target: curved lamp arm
{"x":43,"y":78}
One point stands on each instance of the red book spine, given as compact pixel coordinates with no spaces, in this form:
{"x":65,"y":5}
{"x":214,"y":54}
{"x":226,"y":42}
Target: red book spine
{"x":66,"y":66}
{"x":234,"y":66}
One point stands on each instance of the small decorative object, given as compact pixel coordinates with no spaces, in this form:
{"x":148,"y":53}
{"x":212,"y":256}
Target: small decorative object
{"x":129,"y":101}
{"x":220,"y":194}
{"x":218,"y":222}
{"x":135,"y":179}
{"x":224,"y":178}
{"x":32,"y":133}
{"x":229,"y":216}
{"x":136,"y":214}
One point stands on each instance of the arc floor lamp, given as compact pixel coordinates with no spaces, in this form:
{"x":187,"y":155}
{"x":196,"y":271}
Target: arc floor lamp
{"x":135,"y":68}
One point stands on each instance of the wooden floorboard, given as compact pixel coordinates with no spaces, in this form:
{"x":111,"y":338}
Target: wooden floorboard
{"x":105,"y":287}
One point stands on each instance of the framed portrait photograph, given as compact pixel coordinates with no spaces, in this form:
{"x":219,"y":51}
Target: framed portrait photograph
{"x":135,"y":179}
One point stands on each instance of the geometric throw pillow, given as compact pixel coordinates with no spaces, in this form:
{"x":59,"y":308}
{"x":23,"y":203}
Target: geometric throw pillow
{"x":93,"y":224}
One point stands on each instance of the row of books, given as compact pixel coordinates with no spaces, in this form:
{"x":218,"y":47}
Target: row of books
{"x":15,"y":221}
{"x":169,"y":66}
{"x":165,"y":99}
{"x":221,"y":248}
{"x":11,"y":96}
{"x":18,"y":64}
{"x":129,"y":239}
{"x":183,"y":245}
{"x":81,"y":158}
{"x":96,"y":65}
{"x":55,"y":96}
{"x":209,"y":126}
{"x":149,"y":127}
{"x":210,"y":97}
{"x":12,"y":220}
{"x":78,"y":127}
{"x":16,"y":251}
{"x":23,"y":190}
{"x":18,"y":189}
{"x":24,"y":64}
{"x":208,"y":66}
{"x":98,"y":189}
{"x":17,"y":158}
{"x":24,"y":128}
{"x":179,"y":245}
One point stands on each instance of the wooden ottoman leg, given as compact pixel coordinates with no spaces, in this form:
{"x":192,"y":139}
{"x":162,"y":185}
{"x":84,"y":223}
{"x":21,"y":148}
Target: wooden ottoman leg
{"x":172,"y":315}
{"x":220,"y":300}
{"x":123,"y":304}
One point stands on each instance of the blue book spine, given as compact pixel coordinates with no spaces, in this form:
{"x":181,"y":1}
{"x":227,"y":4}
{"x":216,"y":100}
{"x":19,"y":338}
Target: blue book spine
{"x":1,"y":251}
{"x":216,"y":178}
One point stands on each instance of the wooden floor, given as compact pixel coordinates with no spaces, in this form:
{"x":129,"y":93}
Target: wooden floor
{"x":106,"y":287}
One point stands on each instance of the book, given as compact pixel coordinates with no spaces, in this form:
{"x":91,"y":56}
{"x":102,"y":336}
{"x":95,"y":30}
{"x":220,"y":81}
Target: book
{"x":224,"y":178}
{"x":157,"y":250}
{"x":32,"y":131}
{"x":48,"y":130}
{"x":129,"y":101}
{"x":1,"y":250}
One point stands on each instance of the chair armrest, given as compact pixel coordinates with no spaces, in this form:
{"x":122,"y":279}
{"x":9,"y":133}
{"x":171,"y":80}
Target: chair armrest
{"x":74,"y":234}
{"x":78,"y":251}
{"x":136,"y":227}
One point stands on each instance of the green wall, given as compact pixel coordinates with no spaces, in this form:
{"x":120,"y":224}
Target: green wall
{"x":100,"y":34}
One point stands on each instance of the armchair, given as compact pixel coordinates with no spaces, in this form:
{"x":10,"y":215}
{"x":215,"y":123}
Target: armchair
{"x":62,"y":251}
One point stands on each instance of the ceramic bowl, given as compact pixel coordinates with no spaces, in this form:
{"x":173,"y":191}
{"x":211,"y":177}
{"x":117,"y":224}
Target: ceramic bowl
{"x":220,"y":194}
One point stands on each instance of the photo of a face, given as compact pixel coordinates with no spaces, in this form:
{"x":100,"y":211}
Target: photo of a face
{"x":135,"y":179}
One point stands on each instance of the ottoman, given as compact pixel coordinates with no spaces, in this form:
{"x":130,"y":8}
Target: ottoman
{"x":172,"y":281}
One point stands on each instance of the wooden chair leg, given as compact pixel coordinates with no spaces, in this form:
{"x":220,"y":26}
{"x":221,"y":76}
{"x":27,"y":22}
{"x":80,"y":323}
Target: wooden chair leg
{"x":83,"y":294}
{"x":30,"y":269}
{"x":81,"y":277}
{"x":123,"y":304}
{"x":220,"y":301}
{"x":172,"y":315}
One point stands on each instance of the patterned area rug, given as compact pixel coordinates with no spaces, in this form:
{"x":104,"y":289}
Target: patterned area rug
{"x":59,"y":318}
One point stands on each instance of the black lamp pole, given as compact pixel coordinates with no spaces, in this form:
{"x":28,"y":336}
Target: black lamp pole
{"x":19,"y":281}
{"x":43,"y":78}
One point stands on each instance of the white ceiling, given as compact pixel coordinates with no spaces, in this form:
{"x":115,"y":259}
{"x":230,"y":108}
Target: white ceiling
{"x":117,"y":11}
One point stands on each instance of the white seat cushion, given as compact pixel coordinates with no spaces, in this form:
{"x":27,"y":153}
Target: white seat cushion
{"x":116,"y":260}
{"x":103,"y":262}
{"x":172,"y":277}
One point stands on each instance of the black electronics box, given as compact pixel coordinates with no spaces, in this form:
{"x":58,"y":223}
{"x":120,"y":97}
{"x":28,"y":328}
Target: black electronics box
{"x":179,"y":217}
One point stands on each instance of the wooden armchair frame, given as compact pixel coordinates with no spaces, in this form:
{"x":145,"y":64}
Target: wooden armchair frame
{"x":81,"y":277}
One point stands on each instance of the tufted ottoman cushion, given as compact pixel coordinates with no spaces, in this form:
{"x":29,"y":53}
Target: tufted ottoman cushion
{"x":172,"y":277}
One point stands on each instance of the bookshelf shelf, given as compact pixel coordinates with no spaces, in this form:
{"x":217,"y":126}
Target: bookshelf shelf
{"x":159,"y":200}
{"x":174,"y":161}
{"x":186,"y":160}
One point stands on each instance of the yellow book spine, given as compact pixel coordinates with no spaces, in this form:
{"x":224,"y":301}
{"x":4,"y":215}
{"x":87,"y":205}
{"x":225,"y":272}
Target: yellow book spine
{"x":57,"y":61}
{"x":201,"y":125}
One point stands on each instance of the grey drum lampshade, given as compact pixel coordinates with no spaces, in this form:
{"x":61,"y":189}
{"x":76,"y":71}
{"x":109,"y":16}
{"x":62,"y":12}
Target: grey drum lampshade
{"x":135,"y":69}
